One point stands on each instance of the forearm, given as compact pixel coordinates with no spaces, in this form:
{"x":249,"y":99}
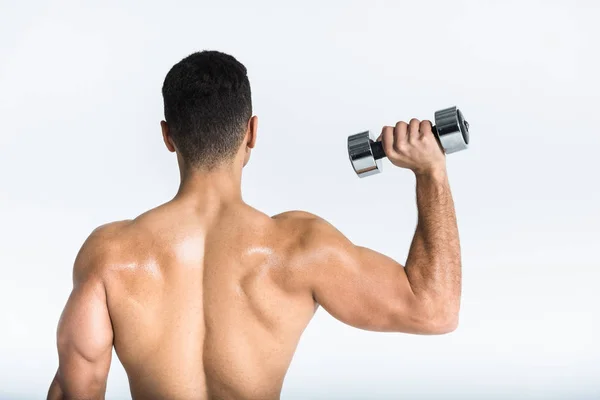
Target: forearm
{"x":55,"y":392}
{"x":433,"y":266}
{"x":82,"y":390}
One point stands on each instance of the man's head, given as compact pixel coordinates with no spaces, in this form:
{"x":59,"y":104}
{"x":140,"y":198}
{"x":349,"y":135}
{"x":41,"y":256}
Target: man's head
{"x":208,"y":111}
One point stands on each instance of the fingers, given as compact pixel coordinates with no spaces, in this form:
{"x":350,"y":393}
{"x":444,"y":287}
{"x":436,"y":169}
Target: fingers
{"x":400,"y":136}
{"x":425,"y":127}
{"x":413,"y":131}
{"x":411,"y":145}
{"x":395,"y":138}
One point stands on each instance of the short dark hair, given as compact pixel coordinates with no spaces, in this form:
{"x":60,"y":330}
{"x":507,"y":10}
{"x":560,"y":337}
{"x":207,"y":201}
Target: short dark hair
{"x":208,"y":104}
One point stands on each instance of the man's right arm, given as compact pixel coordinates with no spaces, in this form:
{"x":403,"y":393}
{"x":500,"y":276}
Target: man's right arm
{"x":369,"y":290}
{"x":433,"y":266}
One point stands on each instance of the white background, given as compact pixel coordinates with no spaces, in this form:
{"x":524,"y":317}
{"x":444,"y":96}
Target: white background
{"x":80,"y":107}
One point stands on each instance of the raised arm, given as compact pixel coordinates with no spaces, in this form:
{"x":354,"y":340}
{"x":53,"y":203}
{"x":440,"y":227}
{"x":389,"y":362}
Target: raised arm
{"x":368,"y":290}
{"x":84,"y":335}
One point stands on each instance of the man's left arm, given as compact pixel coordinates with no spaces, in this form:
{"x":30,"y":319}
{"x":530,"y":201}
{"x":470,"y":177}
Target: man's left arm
{"x":84,"y":335}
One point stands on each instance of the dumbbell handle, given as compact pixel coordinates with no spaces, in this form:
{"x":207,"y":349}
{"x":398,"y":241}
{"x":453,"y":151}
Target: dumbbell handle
{"x":377,"y":147}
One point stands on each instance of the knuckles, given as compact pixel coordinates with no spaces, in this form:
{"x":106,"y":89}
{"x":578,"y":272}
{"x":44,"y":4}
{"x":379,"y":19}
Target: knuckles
{"x":400,"y":148}
{"x":414,"y":139}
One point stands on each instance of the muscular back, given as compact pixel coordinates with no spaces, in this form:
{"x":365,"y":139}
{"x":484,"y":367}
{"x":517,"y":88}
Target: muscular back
{"x":209,"y":301}
{"x":206,"y":306}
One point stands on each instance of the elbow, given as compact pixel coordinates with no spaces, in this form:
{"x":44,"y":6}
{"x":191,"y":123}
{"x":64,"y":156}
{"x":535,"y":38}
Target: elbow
{"x":438,"y":319}
{"x":443,"y":324}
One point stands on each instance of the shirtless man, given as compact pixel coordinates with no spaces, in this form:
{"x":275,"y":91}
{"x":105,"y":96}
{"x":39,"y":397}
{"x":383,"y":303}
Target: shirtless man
{"x":205,"y":297}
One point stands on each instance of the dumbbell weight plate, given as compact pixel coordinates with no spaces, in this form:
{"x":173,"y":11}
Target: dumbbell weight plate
{"x":452,"y":130}
{"x":361,"y":154}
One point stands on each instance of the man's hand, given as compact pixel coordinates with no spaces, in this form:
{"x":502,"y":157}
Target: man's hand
{"x":413,"y":146}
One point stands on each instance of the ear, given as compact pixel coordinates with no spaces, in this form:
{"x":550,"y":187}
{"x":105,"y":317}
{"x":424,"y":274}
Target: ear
{"x":166,"y":136}
{"x":252,"y":132}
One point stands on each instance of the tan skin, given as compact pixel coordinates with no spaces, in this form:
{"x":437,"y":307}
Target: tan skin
{"x":205,"y":297}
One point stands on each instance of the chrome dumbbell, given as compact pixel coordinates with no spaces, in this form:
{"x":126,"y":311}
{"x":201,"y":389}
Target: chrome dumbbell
{"x":451,"y":130}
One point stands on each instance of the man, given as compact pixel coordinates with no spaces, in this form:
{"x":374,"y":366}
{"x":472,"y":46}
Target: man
{"x":205,"y":297}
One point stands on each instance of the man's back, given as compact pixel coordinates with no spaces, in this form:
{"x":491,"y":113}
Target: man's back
{"x":204,"y":297}
{"x":205,"y":305}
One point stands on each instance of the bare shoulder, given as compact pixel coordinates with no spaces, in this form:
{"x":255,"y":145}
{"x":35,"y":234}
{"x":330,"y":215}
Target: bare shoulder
{"x":304,"y":219}
{"x":101,"y":248}
{"x":317,"y":251}
{"x":304,"y":223}
{"x":298,"y":215}
{"x":313,"y":233}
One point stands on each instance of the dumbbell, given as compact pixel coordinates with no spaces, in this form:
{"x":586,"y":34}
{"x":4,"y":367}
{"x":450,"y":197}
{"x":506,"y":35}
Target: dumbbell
{"x":451,"y":131}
